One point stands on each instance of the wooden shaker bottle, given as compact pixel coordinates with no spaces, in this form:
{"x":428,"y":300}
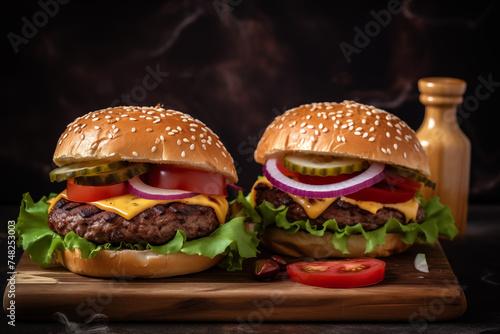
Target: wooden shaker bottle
{"x":448,"y":148}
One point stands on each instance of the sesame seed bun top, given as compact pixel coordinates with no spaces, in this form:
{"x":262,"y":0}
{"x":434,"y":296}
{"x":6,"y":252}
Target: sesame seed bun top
{"x":346,"y":129}
{"x":144,"y":134}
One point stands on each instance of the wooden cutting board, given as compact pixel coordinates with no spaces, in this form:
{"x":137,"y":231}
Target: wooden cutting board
{"x":215,"y":295}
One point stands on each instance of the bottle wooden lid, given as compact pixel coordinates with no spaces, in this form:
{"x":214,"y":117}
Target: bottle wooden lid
{"x":441,"y":91}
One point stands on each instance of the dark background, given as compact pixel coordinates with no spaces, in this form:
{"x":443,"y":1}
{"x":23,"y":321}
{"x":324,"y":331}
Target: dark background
{"x":235,"y":65}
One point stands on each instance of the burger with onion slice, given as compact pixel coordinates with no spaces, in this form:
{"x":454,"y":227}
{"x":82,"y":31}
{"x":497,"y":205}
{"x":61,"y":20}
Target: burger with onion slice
{"x":342,"y":180}
{"x":145,"y":197}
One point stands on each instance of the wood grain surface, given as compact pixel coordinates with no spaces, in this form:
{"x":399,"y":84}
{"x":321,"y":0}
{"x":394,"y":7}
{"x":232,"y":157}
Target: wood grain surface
{"x":215,"y":295}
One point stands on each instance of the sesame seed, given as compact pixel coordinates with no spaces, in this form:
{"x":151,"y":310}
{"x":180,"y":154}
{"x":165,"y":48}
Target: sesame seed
{"x":223,"y":154}
{"x":149,"y":130}
{"x":153,"y":148}
{"x":357,"y":133}
{"x":185,"y":140}
{"x":324,"y":130}
{"x":303,"y":124}
{"x":193,"y":129}
{"x":365,"y":134}
{"x":191,"y":147}
{"x":183,"y":154}
{"x":310,"y":126}
{"x":204,"y":146}
{"x":371,"y":139}
{"x":320,"y":126}
{"x":302,"y":131}
{"x":132,"y":119}
{"x":135,"y":154}
{"x":388,"y":135}
{"x":390,"y":124}
{"x":395,"y":146}
{"x":179,"y":142}
{"x":162,"y":138}
{"x":338,"y":138}
{"x":389,"y":150}
{"x":398,"y":138}
{"x":376,"y":122}
{"x":383,"y":150}
{"x":110,"y":136}
{"x":156,"y":121}
{"x":97,"y":128}
{"x":133,"y":130}
{"x":404,"y":154}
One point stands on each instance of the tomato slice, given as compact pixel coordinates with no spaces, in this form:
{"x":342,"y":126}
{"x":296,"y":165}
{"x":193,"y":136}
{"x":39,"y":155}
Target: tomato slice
{"x":346,"y":273}
{"x":80,"y":193}
{"x":171,"y":177}
{"x":393,"y":189}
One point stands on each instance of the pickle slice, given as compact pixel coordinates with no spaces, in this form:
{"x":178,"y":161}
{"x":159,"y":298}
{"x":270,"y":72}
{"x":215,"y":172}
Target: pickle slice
{"x":114,"y":176}
{"x":412,"y":175}
{"x":83,"y":168}
{"x":323,"y":165}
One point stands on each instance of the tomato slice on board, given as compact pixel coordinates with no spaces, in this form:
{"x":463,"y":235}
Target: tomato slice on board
{"x":79,"y":193}
{"x":345,"y":273}
{"x":170,"y":177}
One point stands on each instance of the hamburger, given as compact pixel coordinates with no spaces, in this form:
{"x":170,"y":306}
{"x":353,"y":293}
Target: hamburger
{"x":343,"y":180}
{"x":146,"y":196}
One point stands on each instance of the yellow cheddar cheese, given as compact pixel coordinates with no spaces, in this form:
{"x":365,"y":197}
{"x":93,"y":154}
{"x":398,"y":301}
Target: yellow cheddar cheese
{"x":129,"y":205}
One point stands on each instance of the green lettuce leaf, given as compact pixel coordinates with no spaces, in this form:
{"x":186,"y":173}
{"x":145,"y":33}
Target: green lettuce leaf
{"x":39,"y":241}
{"x":438,"y":221}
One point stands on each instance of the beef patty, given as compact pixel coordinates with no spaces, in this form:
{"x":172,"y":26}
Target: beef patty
{"x":344,"y":213}
{"x":156,"y":225}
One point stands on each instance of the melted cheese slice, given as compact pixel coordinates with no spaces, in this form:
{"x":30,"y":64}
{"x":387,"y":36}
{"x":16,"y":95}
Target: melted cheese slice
{"x":314,"y":207}
{"x":129,"y":205}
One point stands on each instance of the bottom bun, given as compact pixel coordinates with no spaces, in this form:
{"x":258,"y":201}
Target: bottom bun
{"x":135,"y":263}
{"x":303,"y":244}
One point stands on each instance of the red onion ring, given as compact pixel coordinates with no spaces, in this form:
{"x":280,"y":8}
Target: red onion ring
{"x":235,"y":187}
{"x":140,"y":189}
{"x":374,"y":174}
